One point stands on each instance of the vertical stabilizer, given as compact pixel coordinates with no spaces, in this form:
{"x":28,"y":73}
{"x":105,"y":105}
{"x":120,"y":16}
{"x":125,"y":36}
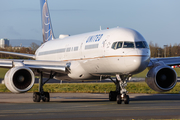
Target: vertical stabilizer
{"x":47,"y":30}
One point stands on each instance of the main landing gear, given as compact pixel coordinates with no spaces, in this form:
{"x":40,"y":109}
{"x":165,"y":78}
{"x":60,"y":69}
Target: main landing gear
{"x":41,"y":95}
{"x":121,"y":93}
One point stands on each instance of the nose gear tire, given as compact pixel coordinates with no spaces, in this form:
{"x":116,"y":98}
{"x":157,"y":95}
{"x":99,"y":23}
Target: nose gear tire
{"x":119,"y":100}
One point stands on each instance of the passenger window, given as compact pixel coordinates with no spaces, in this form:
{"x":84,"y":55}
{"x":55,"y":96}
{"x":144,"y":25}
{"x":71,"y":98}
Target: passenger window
{"x":76,"y":48}
{"x":68,"y":49}
{"x":114,"y":45}
{"x":128,"y":45}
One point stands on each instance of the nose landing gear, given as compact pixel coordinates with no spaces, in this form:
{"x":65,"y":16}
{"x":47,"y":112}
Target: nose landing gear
{"x":121,"y":93}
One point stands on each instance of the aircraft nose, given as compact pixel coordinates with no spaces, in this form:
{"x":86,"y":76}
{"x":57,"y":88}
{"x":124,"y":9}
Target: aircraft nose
{"x":136,"y":62}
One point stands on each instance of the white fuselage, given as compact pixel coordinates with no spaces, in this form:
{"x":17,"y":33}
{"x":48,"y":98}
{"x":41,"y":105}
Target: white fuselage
{"x":106,"y":52}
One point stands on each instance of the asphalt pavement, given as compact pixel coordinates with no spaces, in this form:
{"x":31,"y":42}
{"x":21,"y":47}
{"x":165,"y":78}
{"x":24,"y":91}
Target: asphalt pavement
{"x":87,"y":106}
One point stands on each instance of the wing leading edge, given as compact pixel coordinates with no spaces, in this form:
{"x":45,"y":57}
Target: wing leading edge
{"x":55,"y":66}
{"x":168,"y":61}
{"x":19,"y":54}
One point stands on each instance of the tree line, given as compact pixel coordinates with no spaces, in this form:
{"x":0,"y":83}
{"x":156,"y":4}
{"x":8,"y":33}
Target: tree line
{"x":28,"y":50}
{"x":165,"y":51}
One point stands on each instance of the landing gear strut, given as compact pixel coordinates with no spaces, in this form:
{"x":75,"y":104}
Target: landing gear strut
{"x":121,"y":93}
{"x":41,"y":95}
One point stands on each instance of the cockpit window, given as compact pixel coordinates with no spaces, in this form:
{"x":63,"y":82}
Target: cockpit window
{"x":117,"y":45}
{"x":145,"y":43}
{"x":128,"y":45}
{"x":141,"y":44}
{"x":114,"y":45}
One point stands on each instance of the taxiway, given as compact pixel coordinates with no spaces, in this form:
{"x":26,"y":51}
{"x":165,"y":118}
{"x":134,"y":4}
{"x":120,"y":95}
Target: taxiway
{"x":80,"y":106}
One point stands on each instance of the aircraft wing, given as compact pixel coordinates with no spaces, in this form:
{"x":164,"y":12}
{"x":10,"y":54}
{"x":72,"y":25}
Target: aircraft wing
{"x":170,"y":61}
{"x":19,"y":54}
{"x":57,"y":66}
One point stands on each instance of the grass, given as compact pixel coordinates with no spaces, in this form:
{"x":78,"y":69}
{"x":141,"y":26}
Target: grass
{"x":3,"y":72}
{"x":132,"y":87}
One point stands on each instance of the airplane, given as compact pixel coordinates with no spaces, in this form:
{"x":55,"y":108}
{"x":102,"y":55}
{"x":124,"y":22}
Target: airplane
{"x":120,"y":52}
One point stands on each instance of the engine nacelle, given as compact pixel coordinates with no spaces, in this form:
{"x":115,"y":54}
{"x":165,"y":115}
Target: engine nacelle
{"x":19,"y":79}
{"x":161,"y":78}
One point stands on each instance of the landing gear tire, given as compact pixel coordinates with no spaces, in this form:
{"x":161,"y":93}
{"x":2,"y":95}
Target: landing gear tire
{"x":121,"y":83}
{"x":41,"y":95}
{"x":36,"y":97}
{"x":126,"y":99}
{"x":46,"y":97}
{"x":119,"y":100}
{"x":112,"y":96}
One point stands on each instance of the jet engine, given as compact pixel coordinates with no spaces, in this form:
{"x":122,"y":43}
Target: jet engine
{"x":161,"y":78}
{"x":19,"y":79}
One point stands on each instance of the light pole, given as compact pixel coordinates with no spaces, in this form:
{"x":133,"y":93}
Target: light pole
{"x":165,"y":50}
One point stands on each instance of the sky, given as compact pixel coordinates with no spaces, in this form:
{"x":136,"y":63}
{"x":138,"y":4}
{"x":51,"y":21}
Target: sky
{"x":157,"y":20}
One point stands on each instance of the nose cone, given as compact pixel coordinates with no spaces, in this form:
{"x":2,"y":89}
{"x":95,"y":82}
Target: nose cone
{"x":137,"y":61}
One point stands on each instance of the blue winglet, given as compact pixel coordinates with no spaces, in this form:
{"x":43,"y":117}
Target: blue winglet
{"x":47,"y":30}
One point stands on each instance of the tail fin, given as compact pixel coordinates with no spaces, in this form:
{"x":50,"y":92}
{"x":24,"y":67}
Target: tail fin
{"x":47,"y":30}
